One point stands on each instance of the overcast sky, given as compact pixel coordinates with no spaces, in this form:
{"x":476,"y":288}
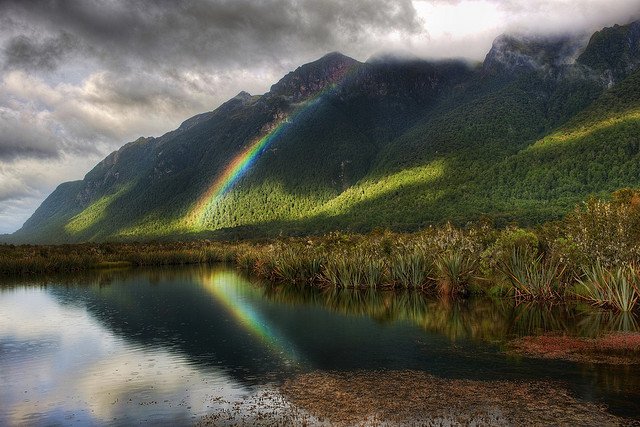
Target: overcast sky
{"x":80,"y":78}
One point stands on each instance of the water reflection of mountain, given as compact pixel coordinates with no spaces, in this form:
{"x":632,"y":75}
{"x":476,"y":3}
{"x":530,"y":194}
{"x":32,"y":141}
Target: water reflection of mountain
{"x":171,"y":309}
{"x":493,"y":320}
{"x":215,"y":317}
{"x":475,"y":319}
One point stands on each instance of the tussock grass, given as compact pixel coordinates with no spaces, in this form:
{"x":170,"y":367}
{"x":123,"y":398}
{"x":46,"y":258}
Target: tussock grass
{"x":341,"y":272}
{"x":411,"y":268}
{"x":290,"y":266}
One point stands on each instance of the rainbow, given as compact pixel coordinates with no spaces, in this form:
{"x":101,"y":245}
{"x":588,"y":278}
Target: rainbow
{"x":241,"y":163}
{"x":225,"y":288}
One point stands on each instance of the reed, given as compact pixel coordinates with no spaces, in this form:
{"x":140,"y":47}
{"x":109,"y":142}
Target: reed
{"x":45,"y":260}
{"x":29,"y":259}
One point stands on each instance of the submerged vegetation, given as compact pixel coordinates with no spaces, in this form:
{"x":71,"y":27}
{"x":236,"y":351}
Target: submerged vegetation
{"x":592,"y":254}
{"x":621,"y":348}
{"x":417,"y":398}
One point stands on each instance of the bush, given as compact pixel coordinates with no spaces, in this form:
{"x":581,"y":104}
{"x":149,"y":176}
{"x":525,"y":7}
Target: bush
{"x":509,"y":240}
{"x":606,"y":232}
{"x":454,"y":270}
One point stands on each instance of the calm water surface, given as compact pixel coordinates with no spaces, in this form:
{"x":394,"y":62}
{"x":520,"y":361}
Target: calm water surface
{"x":172,"y":345}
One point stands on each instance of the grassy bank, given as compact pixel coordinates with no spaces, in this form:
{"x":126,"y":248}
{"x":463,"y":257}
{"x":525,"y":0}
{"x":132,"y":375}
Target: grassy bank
{"x":37,"y":259}
{"x":592,"y":254}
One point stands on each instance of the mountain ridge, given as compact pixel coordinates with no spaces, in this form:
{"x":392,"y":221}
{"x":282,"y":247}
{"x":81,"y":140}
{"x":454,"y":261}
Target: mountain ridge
{"x":351,"y":145}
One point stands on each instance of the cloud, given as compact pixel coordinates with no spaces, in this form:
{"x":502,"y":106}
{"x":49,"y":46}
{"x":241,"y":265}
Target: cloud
{"x":89,"y":75}
{"x":569,"y":16}
{"x":106,"y":109}
{"x":23,"y":134}
{"x":108,"y":377}
{"x":23,"y":52}
{"x":466,"y":28}
{"x":19,"y":193}
{"x":14,"y":212}
{"x":544,"y":16}
{"x":25,"y":182}
{"x":201,"y":33}
{"x":51,"y":133}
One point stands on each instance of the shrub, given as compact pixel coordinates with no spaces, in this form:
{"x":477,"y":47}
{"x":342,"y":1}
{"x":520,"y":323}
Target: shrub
{"x":606,"y":232}
{"x":509,"y":240}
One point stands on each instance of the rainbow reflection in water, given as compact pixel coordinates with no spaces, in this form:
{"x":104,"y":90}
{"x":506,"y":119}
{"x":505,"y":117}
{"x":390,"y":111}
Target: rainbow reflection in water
{"x":224,"y":287}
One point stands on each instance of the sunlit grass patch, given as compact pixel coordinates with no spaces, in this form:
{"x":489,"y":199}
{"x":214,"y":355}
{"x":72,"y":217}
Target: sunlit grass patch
{"x":93,"y":213}
{"x":371,"y":189}
{"x":259,"y":203}
{"x":570,"y":135}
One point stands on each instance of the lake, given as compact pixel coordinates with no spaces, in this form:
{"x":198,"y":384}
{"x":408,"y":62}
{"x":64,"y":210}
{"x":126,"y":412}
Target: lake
{"x":180,"y":346}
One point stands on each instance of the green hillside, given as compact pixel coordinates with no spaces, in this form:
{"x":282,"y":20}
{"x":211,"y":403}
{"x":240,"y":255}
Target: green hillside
{"x":339,"y":144}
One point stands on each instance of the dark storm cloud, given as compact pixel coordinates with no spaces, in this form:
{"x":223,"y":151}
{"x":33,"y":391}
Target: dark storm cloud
{"x":26,"y":53}
{"x":13,"y":148}
{"x":180,"y":34}
{"x":10,"y":193}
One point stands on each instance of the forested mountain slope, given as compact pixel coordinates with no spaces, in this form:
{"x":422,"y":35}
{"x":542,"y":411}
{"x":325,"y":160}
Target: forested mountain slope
{"x":339,"y":144}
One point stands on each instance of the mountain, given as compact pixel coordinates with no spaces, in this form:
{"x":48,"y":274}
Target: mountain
{"x":613,"y":52}
{"x":399,"y":143}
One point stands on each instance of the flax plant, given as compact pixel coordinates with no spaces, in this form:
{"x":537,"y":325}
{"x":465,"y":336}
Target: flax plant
{"x":617,"y":288}
{"x":533,"y":277}
{"x":453,"y":270}
{"x":340,"y":271}
{"x":410,"y":269}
